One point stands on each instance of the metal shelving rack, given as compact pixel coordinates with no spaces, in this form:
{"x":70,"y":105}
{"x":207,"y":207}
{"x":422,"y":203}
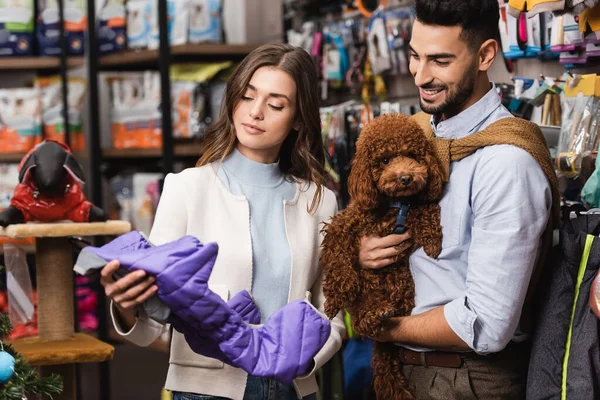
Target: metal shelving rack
{"x":134,"y":60}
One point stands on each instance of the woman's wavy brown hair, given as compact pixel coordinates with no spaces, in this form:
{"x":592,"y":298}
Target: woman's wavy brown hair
{"x":302,"y":154}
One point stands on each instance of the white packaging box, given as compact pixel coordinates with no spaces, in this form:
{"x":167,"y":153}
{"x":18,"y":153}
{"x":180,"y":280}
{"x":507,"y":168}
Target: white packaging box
{"x":253,"y":21}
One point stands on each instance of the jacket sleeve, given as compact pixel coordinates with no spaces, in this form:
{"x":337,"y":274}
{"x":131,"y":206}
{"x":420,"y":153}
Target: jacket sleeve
{"x":170,"y":223}
{"x":511,"y":202}
{"x":338,"y":328}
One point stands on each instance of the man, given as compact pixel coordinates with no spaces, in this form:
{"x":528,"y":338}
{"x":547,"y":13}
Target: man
{"x":495,"y":207}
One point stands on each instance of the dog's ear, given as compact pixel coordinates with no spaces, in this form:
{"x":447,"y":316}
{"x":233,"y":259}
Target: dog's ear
{"x":26,"y":166}
{"x":74,"y":169}
{"x":361,"y":185}
{"x":433,"y":190}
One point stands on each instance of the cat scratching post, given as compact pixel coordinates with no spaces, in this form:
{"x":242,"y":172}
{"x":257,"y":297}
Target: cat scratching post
{"x":58,"y":348}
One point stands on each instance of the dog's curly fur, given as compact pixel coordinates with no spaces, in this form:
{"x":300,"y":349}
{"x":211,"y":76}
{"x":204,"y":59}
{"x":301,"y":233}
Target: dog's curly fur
{"x":393,"y":160}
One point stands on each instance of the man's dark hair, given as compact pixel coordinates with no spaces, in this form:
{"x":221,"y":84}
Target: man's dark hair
{"x":477,"y":18}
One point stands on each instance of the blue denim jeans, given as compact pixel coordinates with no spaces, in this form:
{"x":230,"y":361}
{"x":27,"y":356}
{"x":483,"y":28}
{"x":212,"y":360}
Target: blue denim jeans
{"x":256,"y":389}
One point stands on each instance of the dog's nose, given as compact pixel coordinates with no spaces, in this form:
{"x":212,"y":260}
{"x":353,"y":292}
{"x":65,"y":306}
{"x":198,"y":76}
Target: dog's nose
{"x":406,"y":179}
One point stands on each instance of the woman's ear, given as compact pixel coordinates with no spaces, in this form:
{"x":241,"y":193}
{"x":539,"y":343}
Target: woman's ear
{"x":296,"y":126}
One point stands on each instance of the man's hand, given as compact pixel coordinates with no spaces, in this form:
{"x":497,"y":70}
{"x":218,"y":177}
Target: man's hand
{"x":377,"y":252}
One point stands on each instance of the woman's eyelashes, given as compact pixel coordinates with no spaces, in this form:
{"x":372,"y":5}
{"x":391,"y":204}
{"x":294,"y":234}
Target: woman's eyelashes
{"x":272,"y":106}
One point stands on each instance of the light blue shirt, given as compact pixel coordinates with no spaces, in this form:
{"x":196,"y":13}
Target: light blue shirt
{"x":265,"y":188}
{"x":495,"y":208}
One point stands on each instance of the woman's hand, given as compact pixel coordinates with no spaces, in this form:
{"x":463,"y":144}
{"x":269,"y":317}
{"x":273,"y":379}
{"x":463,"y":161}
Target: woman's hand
{"x":127,"y":292}
{"x":377,"y":252}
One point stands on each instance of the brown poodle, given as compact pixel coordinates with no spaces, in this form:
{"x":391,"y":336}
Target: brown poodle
{"x":393,"y":161}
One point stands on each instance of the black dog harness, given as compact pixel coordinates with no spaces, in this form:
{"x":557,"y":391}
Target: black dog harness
{"x":402,"y":215}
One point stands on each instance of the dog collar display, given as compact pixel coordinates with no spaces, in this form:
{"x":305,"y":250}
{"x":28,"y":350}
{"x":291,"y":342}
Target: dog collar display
{"x":402,"y":215}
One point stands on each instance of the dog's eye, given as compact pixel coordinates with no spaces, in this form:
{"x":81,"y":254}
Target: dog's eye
{"x":385,"y":161}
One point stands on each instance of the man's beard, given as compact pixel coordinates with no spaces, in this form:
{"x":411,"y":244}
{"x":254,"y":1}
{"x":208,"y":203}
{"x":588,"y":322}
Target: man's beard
{"x":454,"y":99}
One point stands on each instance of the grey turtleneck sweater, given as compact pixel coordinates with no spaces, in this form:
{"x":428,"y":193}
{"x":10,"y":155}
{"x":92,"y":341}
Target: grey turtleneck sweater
{"x":265,"y":188}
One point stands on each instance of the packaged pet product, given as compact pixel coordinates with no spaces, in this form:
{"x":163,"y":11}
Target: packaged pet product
{"x":205,"y":21}
{"x":565,"y":33}
{"x":252,"y":21}
{"x":177,"y":23}
{"x":16,"y":27}
{"x":182,"y":97}
{"x":190,"y":96}
{"x":135,"y":111}
{"x":398,"y":24}
{"x":592,"y":45}
{"x":52,"y":110}
{"x":20,"y":120}
{"x":524,"y":36}
{"x":134,"y":196}
{"x":47,"y":29}
{"x":579,"y":126}
{"x":138,"y":23}
{"x":121,"y":206}
{"x":9,"y":179}
{"x":111,"y":26}
{"x":379,"y":51}
{"x":143,"y":207}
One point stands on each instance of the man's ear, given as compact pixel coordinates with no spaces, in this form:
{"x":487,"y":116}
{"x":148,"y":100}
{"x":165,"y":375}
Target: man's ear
{"x":487,"y":54}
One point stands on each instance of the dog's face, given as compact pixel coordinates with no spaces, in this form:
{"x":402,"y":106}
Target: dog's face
{"x":393,"y":160}
{"x":399,"y":174}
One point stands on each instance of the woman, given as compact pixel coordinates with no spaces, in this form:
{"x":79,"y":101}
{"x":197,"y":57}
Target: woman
{"x":258,"y":192}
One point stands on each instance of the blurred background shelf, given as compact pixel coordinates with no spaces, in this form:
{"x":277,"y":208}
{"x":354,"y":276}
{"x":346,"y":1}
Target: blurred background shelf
{"x":144,"y":57}
{"x":11,"y":157}
{"x":181,"y":149}
{"x":37,"y":63}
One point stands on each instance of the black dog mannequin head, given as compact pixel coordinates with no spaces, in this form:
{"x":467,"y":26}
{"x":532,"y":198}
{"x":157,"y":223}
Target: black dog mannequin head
{"x":50,"y":189}
{"x":48,"y":168}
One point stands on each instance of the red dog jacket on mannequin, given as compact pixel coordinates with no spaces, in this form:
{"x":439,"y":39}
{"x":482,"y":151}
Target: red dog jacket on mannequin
{"x":50,"y":188}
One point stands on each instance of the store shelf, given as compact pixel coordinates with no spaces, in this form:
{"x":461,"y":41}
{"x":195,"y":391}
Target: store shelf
{"x":11,"y":157}
{"x":81,"y":348}
{"x":37,"y":63}
{"x":16,"y":157}
{"x":132,"y":58}
{"x":181,"y":150}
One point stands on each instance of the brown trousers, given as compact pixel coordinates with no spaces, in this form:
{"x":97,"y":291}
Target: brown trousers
{"x":498,"y":376}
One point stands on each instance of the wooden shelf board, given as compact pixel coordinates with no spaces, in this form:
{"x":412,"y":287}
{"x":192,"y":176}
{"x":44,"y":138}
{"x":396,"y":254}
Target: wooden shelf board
{"x":66,"y":228}
{"x":213,"y":49}
{"x":133,"y":57}
{"x":81,"y":348}
{"x":193,"y":149}
{"x":11,"y":157}
{"x":37,"y":63}
{"x":16,"y":157}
